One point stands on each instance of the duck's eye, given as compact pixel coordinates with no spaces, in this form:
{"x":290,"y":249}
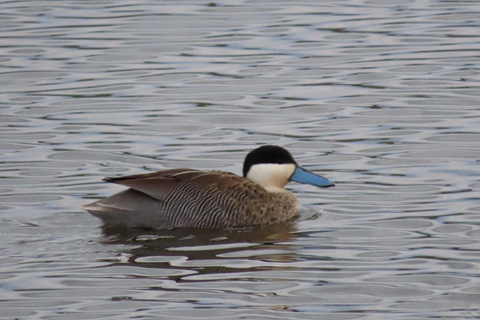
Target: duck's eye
{"x":280,"y":161}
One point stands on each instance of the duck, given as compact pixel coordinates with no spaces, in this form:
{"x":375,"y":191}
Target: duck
{"x":189,"y":198}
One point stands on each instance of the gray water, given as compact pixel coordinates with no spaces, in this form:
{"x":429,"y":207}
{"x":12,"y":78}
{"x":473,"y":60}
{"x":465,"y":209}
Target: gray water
{"x":380,"y":96}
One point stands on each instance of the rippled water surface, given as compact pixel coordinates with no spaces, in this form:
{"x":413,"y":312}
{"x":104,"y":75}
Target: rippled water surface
{"x":380,"y":96}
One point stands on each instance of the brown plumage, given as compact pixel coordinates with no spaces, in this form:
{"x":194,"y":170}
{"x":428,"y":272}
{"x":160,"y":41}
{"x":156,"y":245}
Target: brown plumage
{"x":192,"y":198}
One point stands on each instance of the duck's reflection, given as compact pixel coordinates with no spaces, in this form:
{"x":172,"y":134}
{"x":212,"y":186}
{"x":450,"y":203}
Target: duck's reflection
{"x":200,"y":249}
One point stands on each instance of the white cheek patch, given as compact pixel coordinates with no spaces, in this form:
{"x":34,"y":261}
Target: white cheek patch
{"x":270,"y":175}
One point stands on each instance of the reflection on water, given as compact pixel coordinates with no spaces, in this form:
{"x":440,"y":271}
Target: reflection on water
{"x":380,"y":96}
{"x":202,"y":251}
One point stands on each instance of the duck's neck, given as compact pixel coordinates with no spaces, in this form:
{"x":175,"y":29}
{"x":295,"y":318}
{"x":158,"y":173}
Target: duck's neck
{"x":274,"y":189}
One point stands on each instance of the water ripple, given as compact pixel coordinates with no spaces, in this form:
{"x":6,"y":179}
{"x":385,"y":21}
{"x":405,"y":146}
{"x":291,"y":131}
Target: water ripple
{"x":381,"y":96}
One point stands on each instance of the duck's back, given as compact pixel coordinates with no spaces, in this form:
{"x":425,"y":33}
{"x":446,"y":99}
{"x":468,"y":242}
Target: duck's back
{"x":192,"y":198}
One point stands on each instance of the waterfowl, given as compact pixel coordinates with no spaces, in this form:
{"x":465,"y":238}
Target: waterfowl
{"x":184,"y":198}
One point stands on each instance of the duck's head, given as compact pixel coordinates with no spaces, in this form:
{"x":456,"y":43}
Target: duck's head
{"x":273,"y":167}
